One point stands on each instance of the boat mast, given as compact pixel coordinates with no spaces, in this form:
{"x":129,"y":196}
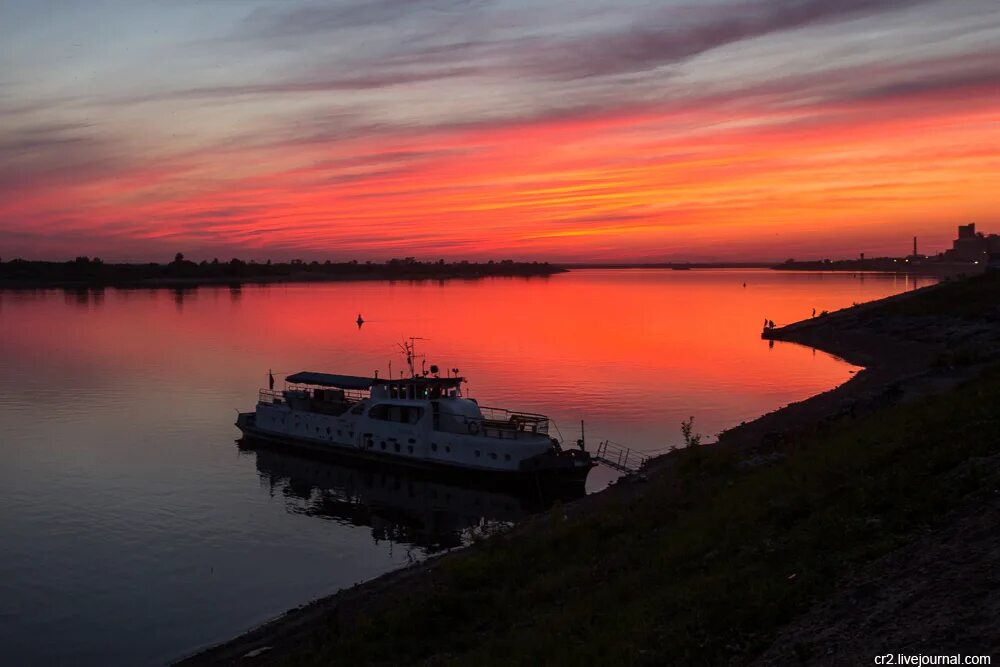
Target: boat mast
{"x":408,"y":349}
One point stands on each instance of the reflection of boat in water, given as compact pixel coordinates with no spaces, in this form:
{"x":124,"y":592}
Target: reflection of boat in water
{"x":421,"y":421}
{"x":401,"y":504}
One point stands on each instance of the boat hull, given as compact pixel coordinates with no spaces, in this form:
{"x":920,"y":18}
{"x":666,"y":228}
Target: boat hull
{"x":570,"y":468}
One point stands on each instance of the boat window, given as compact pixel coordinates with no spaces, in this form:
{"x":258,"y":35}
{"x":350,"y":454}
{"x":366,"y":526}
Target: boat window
{"x":402,"y":414}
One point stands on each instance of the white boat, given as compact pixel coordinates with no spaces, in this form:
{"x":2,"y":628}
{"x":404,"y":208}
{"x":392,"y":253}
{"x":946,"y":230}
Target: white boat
{"x":422,"y":421}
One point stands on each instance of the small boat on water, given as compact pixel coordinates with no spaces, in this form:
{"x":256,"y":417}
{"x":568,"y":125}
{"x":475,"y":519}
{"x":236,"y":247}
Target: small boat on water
{"x":422,"y":421}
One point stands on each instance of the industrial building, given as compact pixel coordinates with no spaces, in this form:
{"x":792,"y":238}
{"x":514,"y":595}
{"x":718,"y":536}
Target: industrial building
{"x":973,"y":246}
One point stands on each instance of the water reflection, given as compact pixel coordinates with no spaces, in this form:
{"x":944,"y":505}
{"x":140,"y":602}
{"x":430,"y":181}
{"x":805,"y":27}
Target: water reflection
{"x":84,"y":296}
{"x":122,"y":401}
{"x":429,"y":511}
{"x":181,"y":294}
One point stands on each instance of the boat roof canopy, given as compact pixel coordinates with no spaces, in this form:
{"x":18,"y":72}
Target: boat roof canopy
{"x":331,"y":380}
{"x":358,"y":382}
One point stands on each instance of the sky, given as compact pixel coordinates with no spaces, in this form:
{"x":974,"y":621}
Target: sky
{"x":583,"y":130}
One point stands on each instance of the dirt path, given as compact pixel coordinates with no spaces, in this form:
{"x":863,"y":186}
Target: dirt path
{"x":937,"y":595}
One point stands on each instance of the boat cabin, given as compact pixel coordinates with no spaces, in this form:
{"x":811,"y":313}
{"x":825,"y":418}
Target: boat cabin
{"x":404,"y":401}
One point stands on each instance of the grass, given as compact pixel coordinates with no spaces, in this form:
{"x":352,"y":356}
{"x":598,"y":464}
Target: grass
{"x":975,"y":298}
{"x":706,"y":566}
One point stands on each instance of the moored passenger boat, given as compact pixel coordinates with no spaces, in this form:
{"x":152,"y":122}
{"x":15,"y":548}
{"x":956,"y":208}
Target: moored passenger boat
{"x":421,"y":421}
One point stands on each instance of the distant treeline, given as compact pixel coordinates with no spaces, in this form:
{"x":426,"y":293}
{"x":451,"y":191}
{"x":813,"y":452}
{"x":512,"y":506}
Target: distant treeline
{"x":92,"y":271}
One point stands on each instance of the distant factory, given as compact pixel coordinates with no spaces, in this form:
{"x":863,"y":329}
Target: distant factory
{"x":971,"y":252}
{"x":973,"y":247}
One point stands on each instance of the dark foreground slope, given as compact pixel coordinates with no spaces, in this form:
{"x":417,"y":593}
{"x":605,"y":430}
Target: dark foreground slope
{"x":830,"y":531}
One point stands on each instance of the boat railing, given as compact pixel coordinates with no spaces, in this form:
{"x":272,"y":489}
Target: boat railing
{"x":499,"y":419}
{"x":494,"y":423}
{"x":270,"y":396}
{"x":351,"y":395}
{"x":278,"y":396}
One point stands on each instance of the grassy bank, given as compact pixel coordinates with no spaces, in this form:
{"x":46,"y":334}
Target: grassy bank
{"x":706,"y":566}
{"x":707,"y":560}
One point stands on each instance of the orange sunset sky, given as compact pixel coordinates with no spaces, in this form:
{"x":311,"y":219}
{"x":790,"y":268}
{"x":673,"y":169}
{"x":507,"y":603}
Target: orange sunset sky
{"x":567,"y":131}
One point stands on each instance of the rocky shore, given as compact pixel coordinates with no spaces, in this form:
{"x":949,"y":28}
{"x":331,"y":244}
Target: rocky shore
{"x":807,"y":535}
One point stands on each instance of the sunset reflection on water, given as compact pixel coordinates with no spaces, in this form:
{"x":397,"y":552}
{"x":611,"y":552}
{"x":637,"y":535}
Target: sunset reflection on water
{"x":125,"y":503}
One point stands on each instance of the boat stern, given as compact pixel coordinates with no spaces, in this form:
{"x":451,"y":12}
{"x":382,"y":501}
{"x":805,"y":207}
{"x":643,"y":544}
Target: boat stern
{"x":568,"y":463}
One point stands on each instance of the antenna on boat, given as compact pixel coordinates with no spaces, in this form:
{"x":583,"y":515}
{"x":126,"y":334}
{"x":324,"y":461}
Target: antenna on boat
{"x":408,"y":349}
{"x":582,"y":442}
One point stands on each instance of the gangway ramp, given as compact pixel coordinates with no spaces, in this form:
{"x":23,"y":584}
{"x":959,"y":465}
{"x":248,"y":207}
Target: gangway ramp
{"x":621,"y":458}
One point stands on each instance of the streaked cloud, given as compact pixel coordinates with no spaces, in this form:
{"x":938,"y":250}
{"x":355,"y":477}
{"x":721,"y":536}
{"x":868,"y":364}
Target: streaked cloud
{"x":489,"y":127}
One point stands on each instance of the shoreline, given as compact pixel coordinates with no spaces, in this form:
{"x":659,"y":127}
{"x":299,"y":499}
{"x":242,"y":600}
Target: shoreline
{"x":899,"y":367}
{"x":478,"y":273}
{"x":193,"y":283}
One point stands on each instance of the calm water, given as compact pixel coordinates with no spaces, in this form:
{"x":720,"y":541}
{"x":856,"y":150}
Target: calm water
{"x":133,"y":529}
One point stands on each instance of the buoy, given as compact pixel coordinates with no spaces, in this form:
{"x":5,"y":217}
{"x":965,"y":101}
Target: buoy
{"x":361,"y":320}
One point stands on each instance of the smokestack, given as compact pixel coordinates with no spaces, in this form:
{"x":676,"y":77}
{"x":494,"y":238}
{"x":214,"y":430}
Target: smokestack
{"x":914,"y":246}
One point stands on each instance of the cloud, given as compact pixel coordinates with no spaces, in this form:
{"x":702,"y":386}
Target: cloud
{"x":651,"y":39}
{"x":307,"y":19}
{"x":583,"y":71}
{"x":375,"y":78}
{"x":947,"y":84}
{"x":383,"y":126}
{"x":54,"y":152}
{"x":674,"y":34}
{"x":33,"y":140}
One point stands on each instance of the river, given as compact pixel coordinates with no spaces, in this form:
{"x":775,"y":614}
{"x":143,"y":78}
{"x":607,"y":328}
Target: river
{"x":134,"y":529}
